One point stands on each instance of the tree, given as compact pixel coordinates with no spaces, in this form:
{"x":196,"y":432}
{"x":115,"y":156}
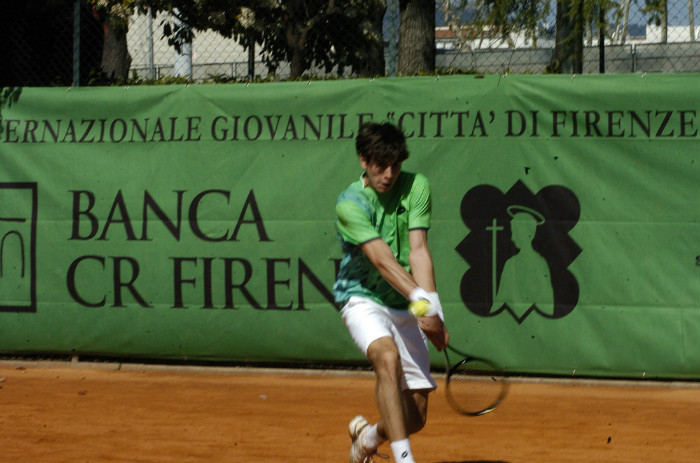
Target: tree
{"x":658,"y":15}
{"x":330,"y":34}
{"x":568,"y":42}
{"x":374,"y":65}
{"x":573,"y":16}
{"x":38,"y":39}
{"x":116,"y":59}
{"x":622,"y":19}
{"x":8,"y":97}
{"x":691,"y":21}
{"x":495,"y":18}
{"x":416,"y":36}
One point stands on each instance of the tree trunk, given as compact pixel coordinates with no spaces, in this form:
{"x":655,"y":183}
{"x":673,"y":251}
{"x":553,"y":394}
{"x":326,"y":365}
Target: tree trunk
{"x":625,"y":27}
{"x":296,"y":66}
{"x":295,"y":42}
{"x":691,"y":21}
{"x":296,"y":37}
{"x":568,"y":45}
{"x":620,"y":34}
{"x":116,"y":59}
{"x":664,"y":22}
{"x":416,"y":37}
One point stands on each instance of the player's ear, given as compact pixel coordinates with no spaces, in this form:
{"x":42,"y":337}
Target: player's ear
{"x":363,"y":162}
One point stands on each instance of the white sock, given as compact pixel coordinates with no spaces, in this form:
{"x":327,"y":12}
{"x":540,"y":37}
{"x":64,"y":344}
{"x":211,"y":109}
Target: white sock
{"x":402,"y":451}
{"x":371,"y":438}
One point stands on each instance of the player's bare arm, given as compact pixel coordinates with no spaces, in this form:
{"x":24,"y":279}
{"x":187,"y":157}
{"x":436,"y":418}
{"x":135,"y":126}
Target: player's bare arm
{"x":421,"y":263}
{"x":420,"y":260}
{"x":381,"y":256}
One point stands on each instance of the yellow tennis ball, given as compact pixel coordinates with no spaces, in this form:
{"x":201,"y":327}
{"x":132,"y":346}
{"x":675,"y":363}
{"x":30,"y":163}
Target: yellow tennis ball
{"x":419,"y":308}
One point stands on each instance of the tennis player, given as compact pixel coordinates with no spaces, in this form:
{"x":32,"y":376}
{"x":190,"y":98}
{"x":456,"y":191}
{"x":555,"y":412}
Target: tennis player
{"x":383,"y":220}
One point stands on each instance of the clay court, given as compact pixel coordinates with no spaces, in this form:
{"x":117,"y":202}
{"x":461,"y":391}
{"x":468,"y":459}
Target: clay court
{"x":111,"y":412}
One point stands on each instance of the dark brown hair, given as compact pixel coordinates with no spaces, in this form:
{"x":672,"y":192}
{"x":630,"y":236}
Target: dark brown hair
{"x":381,"y":143}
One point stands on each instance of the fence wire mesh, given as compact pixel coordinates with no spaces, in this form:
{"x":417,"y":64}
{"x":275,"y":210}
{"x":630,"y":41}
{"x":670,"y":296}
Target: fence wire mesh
{"x":74,"y":42}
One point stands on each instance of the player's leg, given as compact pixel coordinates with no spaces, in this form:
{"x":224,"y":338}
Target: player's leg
{"x":415,"y":409}
{"x":415,"y":412}
{"x":367,"y":322}
{"x":402,"y":365}
{"x":415,"y":405}
{"x":383,"y":353}
{"x":417,"y":381}
{"x":384,"y":357}
{"x":395,"y":332}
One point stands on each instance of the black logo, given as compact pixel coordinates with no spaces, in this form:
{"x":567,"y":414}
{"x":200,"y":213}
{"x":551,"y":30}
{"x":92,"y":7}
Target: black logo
{"x":400,"y":210}
{"x":519,"y":250}
{"x":18,"y":211}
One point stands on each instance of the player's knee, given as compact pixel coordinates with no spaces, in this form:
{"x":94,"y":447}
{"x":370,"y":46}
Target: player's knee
{"x":384,"y":355}
{"x":388,"y":361}
{"x":387,"y":364}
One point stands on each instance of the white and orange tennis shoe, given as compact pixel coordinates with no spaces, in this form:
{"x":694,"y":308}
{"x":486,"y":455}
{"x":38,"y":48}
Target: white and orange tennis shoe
{"x":359,"y":454}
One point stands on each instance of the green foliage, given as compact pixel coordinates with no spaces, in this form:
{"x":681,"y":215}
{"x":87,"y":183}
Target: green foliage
{"x":316,"y":32}
{"x":496,"y":18}
{"x":657,"y":11}
{"x":452,"y":71}
{"x":8,"y":97}
{"x":330,"y":34}
{"x":507,"y":16}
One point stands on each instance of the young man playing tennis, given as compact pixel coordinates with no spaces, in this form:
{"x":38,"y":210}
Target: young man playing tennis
{"x":383,"y":220}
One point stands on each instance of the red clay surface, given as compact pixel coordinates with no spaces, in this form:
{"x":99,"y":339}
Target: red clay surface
{"x":75,"y":412}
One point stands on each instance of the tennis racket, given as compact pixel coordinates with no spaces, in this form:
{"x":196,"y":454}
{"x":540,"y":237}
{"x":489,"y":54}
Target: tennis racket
{"x":474,"y":386}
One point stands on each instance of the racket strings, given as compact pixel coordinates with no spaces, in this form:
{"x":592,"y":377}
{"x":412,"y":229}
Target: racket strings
{"x":475,"y":387}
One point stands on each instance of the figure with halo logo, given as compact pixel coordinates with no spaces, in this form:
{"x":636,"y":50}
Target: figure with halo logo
{"x":526,"y":281}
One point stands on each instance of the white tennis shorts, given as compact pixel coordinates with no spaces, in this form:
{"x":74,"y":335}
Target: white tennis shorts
{"x":368,"y":321}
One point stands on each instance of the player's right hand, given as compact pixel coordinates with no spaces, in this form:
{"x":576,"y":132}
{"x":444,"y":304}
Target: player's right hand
{"x":435,"y":330}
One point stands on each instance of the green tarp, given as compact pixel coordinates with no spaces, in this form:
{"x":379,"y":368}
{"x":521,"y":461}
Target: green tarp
{"x":196,"y":222}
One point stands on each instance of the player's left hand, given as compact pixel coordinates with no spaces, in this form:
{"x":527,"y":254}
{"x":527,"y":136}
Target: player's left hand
{"x":435,"y":330}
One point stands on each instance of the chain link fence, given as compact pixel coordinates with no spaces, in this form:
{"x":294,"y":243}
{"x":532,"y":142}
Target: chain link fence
{"x":627,"y":37}
{"x":68,"y":43}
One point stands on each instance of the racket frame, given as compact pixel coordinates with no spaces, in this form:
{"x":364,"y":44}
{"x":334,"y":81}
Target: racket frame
{"x":452,"y":368}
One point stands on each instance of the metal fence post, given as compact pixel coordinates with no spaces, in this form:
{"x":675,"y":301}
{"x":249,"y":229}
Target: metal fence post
{"x":393,"y":33}
{"x":251,"y":59}
{"x":183,"y":58}
{"x":151,"y":66}
{"x":601,"y":40}
{"x":76,"y":43}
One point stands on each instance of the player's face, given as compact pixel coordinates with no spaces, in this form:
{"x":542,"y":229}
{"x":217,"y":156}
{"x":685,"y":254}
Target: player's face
{"x":381,"y":179}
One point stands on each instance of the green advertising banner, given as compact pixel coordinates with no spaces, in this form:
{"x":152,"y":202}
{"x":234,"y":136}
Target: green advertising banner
{"x":197,"y":222}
